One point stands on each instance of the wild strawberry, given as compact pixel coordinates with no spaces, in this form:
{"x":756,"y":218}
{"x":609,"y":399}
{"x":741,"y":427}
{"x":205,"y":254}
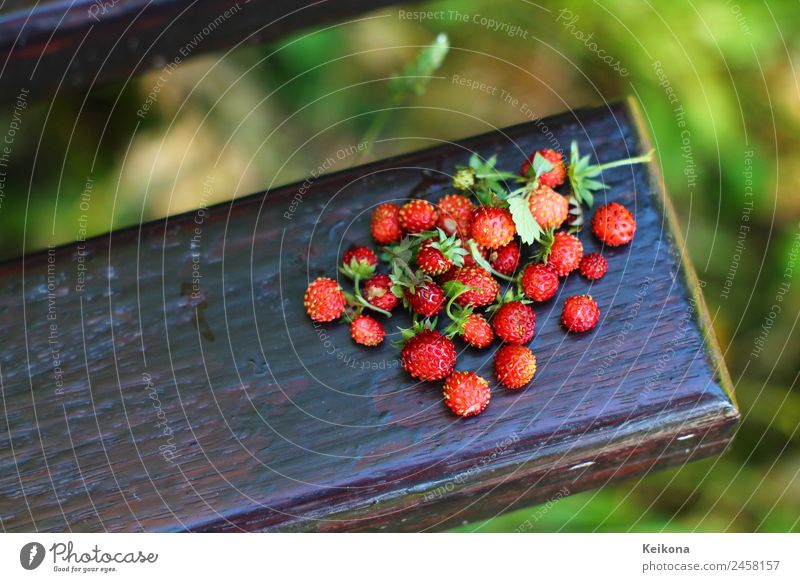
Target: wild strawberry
{"x":432,"y":260}
{"x":378,"y":292}
{"x":466,"y":393}
{"x":455,"y":214}
{"x":564,"y":253}
{"x":477,"y":332}
{"x":593,"y":266}
{"x":418,"y":215}
{"x":514,"y":322}
{"x":614,"y":224}
{"x":363,"y":255}
{"x":505,"y":259}
{"x":324,"y":300}
{"x":539,"y":281}
{"x":428,"y":356}
{"x":367,"y":331}
{"x":426,"y":298}
{"x":514,"y":366}
{"x":549,"y":208}
{"x":385,"y":224}
{"x":492,"y":227}
{"x":486,"y":288}
{"x":580,"y":313}
{"x":437,"y":255}
{"x":552,"y":178}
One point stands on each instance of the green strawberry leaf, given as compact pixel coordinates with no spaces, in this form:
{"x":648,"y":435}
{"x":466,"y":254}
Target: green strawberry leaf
{"x":528,"y":229}
{"x":541,"y":165}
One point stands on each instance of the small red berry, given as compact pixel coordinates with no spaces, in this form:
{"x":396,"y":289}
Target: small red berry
{"x":385,"y":224}
{"x":486,"y":288}
{"x":418,"y":215}
{"x":363,"y":255}
{"x":549,"y":208}
{"x":367,"y":331}
{"x":505,"y":259}
{"x":466,"y":393}
{"x":432,"y":260}
{"x":614,"y":224}
{"x":539,"y":282}
{"x":514,"y":323}
{"x":593,"y":266}
{"x":514,"y":366}
{"x":428,"y":356}
{"x":554,"y":177}
{"x":324,"y":300}
{"x":492,"y":227}
{"x":455,"y":214}
{"x":566,"y":253}
{"x":580,"y":313}
{"x":378,"y":292}
{"x":427,"y":299}
{"x":477,"y":331}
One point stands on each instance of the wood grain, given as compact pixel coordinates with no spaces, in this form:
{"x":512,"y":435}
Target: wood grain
{"x":71,"y":45}
{"x":274,"y":423}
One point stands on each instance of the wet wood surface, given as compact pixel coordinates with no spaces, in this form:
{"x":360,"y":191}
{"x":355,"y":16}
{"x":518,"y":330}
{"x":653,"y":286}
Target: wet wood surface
{"x":49,"y":48}
{"x":166,"y":377}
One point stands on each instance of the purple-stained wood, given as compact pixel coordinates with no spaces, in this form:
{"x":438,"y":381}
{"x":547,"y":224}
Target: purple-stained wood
{"x":166,"y":378}
{"x":69,"y":45}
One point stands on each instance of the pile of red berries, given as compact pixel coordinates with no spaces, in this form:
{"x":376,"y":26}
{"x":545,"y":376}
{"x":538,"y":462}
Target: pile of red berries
{"x":447,"y":260}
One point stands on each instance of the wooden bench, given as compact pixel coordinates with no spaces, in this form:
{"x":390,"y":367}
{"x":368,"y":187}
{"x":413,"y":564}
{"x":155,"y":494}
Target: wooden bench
{"x":139,"y":396}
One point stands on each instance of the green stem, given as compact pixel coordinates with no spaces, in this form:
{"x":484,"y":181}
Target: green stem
{"x":476,"y":254}
{"x":363,"y":302}
{"x":616,"y":163}
{"x":404,"y":265}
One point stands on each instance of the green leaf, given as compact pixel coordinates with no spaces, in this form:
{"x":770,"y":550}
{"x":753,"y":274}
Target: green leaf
{"x":527,"y":227}
{"x":541,"y":165}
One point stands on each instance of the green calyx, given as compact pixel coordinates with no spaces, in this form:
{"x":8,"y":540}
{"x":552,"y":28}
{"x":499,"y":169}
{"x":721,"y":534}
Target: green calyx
{"x":416,"y":328}
{"x":581,"y":173}
{"x":449,"y":246}
{"x":546,"y":245}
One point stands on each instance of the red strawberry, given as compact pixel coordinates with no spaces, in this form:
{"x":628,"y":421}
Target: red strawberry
{"x":492,"y":227}
{"x":580,"y":313}
{"x":385,"y":225}
{"x":539,"y":281}
{"x":466,"y":393}
{"x":428,"y":356}
{"x":418,"y":215}
{"x":614,"y":224}
{"x":367,"y":331}
{"x":427,"y":298}
{"x":363,"y":255}
{"x":549,"y":208}
{"x":455,"y":214}
{"x":378,"y":292}
{"x":554,"y":177}
{"x":486,"y":287}
{"x":505,"y":259}
{"x":324,"y":300}
{"x":566,"y":253}
{"x":514,"y":366}
{"x":432,"y":260}
{"x":477,"y":332}
{"x":514,"y":322}
{"x":593,"y":266}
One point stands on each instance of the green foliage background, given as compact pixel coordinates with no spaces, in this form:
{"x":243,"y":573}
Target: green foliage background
{"x":263,"y":116}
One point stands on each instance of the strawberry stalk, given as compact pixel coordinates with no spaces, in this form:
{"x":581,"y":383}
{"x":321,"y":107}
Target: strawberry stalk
{"x":358,"y":301}
{"x":581,"y":173}
{"x":484,"y":264}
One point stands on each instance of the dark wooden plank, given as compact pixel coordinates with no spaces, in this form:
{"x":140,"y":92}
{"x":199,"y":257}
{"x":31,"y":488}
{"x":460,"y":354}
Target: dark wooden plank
{"x":76,"y":44}
{"x":278,"y":424}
